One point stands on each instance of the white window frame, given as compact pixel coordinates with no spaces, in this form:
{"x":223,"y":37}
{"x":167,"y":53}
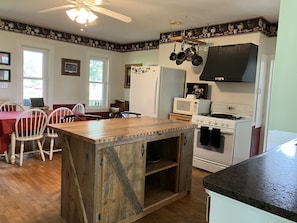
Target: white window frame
{"x":105,"y":82}
{"x":44,"y":71}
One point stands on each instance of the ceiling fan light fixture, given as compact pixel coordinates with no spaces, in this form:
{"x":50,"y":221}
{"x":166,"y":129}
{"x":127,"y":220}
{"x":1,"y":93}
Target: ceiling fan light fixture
{"x":72,"y":13}
{"x":91,"y":17}
{"x":81,"y":16}
{"x":98,"y":2}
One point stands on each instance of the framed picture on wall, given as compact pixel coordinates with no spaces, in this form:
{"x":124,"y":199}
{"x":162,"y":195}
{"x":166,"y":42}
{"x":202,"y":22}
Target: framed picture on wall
{"x":70,"y":67}
{"x":128,"y":74}
{"x":4,"y":75}
{"x":197,"y":89}
{"x":5,"y":58}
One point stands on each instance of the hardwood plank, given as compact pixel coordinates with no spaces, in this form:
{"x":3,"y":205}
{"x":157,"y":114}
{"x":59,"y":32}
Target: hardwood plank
{"x":32,"y":194}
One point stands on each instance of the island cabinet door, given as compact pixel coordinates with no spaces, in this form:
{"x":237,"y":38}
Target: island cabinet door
{"x":186,"y":158}
{"x":123,"y":182}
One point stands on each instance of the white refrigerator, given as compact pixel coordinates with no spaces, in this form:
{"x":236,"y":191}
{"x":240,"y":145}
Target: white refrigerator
{"x":153,"y":88}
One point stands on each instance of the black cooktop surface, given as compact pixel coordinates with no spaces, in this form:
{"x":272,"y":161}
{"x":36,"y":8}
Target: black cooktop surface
{"x":225,"y":116}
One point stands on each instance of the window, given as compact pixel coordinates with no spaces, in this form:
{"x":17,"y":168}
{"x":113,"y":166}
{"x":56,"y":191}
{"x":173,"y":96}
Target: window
{"x":98,"y":82}
{"x":33,"y":74}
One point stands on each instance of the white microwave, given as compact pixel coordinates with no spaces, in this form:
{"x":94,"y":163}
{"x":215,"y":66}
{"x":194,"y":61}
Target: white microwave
{"x":191,"y":106}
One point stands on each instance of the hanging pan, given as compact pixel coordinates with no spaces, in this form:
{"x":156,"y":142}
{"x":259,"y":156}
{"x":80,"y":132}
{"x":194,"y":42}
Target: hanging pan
{"x":197,"y":59}
{"x":173,"y":54}
{"x":181,"y":56}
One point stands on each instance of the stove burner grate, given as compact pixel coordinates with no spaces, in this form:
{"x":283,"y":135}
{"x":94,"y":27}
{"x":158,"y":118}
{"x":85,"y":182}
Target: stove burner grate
{"x":225,"y":116}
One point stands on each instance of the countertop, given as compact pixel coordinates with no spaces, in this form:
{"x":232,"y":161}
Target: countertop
{"x":110,"y":130}
{"x":267,"y":181}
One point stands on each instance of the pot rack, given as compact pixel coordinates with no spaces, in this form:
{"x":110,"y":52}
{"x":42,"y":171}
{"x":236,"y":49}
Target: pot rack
{"x":187,"y":40}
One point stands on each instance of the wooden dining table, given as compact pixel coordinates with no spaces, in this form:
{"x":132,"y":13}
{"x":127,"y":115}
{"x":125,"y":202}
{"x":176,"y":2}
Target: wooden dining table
{"x":7,"y":132}
{"x":7,"y":129}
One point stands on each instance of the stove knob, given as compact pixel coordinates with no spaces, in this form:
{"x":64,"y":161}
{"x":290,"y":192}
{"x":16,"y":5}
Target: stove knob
{"x":223,"y":124}
{"x":227,"y":124}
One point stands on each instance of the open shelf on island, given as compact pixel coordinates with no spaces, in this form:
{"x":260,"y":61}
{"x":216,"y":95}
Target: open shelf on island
{"x":161,"y":176}
{"x":160,"y":186}
{"x":159,"y":166}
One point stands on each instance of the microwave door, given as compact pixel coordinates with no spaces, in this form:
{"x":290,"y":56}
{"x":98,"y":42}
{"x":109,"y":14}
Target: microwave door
{"x":188,"y":106}
{"x":182,"y":106}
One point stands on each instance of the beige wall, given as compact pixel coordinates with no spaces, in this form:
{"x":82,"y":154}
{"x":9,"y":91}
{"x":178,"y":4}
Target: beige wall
{"x":61,"y":88}
{"x":239,"y":93}
{"x":64,"y":89}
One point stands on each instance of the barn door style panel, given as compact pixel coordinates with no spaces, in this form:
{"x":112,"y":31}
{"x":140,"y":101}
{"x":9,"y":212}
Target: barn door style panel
{"x":123,"y":181}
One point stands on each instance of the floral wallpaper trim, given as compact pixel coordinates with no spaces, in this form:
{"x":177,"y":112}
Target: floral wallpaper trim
{"x":227,"y":29}
{"x":231,"y":28}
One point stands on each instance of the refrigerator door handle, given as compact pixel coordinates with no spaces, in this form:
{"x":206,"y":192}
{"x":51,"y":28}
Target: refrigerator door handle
{"x":155,"y":102}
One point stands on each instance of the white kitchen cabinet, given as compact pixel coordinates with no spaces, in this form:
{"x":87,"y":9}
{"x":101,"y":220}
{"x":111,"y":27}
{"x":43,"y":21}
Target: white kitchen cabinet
{"x":224,"y":209}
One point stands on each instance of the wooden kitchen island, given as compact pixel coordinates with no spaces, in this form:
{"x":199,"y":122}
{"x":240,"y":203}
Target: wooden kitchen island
{"x":119,"y":170}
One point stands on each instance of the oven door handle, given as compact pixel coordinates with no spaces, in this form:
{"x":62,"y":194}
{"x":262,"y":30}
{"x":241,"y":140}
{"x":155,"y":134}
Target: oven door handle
{"x":227,"y":132}
{"x":224,"y":131}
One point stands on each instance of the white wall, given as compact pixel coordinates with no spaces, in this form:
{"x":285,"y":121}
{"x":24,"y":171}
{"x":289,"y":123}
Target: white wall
{"x":238,"y":93}
{"x":69,"y":89}
{"x":62,"y":88}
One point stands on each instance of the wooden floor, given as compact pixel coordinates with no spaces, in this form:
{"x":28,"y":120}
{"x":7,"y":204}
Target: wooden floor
{"x":31,"y":194}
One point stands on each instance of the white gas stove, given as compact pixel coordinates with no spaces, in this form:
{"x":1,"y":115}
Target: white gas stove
{"x":222,"y":138}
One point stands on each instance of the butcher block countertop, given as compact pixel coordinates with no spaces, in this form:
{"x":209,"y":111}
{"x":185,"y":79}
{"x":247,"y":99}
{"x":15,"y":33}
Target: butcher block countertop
{"x":110,"y":130}
{"x":267,"y":181}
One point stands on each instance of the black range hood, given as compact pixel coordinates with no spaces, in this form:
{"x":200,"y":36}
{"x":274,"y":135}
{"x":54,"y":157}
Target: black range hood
{"x":231,"y":63}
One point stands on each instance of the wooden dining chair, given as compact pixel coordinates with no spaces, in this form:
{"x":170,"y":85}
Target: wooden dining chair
{"x":79,"y":108}
{"x":10,"y":107}
{"x":57,"y":116}
{"x":29,"y":127}
{"x":5,"y":155}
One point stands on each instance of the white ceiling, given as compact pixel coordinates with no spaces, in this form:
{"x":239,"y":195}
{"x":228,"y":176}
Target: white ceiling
{"x":149,"y":17}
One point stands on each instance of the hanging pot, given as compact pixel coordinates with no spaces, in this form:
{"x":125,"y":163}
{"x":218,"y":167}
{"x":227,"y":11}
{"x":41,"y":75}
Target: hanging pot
{"x":181,"y":56}
{"x":173,"y":54}
{"x":190,"y":52}
{"x":197,"y":59}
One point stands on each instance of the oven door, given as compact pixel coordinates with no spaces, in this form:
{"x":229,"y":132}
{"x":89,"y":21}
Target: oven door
{"x":223,"y":154}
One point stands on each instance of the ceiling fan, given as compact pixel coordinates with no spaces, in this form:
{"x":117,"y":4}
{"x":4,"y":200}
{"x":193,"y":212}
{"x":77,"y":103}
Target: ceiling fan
{"x":81,"y":11}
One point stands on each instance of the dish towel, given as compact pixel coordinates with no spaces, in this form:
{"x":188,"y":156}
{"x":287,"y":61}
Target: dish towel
{"x":215,"y":137}
{"x":204,"y":135}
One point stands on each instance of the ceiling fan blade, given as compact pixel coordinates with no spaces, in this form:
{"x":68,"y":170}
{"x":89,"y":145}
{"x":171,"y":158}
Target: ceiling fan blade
{"x":56,"y":8}
{"x":111,"y":14}
{"x":96,"y":2}
{"x":72,"y":1}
